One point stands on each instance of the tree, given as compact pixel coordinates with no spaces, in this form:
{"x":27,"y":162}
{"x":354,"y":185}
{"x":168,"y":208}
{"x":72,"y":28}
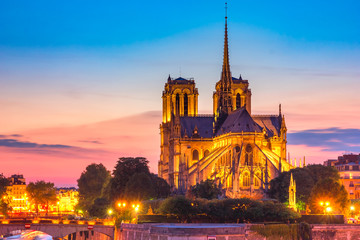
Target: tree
{"x":4,"y":182}
{"x":41,"y":192}
{"x":125,"y":168}
{"x":319,"y":172}
{"x":162,"y":188}
{"x":205,"y":189}
{"x":99,"y":208}
{"x":306,"y":178}
{"x":328,"y":190}
{"x":139,"y":187}
{"x":92,"y":185}
{"x":179,"y":206}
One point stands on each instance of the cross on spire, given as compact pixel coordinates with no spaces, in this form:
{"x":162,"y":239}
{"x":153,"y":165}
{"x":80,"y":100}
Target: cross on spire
{"x":226,"y":74}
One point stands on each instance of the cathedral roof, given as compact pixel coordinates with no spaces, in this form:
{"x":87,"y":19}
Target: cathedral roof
{"x":203,"y":124}
{"x":239,"y":121}
{"x":272,"y":123}
{"x":239,"y":80}
{"x":181,"y":80}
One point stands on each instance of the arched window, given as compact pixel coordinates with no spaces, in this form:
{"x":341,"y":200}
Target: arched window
{"x":206,"y":153}
{"x":248,"y":155}
{"x":195,"y":156}
{"x":238,"y":101}
{"x":186,"y":105}
{"x":246,"y":179}
{"x":177,"y":104}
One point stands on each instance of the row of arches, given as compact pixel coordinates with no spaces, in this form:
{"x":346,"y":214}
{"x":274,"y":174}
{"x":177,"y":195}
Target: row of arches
{"x":195,"y":155}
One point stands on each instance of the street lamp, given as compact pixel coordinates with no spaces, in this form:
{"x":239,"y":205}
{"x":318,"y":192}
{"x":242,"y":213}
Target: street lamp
{"x":326,"y":207}
{"x":110,"y":211}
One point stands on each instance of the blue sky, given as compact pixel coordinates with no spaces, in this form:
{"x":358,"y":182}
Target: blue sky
{"x":39,"y":24}
{"x":69,"y":64}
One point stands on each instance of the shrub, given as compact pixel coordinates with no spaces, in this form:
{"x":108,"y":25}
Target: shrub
{"x":179,"y":206}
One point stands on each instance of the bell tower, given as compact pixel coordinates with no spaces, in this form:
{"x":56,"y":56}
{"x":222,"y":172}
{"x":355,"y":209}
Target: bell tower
{"x":180,"y":98}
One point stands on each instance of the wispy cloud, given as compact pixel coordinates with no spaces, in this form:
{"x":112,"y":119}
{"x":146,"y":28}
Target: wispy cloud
{"x":91,"y":141}
{"x":11,"y":136}
{"x":19,"y":144}
{"x":330,"y":139}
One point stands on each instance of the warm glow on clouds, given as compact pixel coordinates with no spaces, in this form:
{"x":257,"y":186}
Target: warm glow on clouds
{"x":39,"y":154}
{"x":77,"y":89}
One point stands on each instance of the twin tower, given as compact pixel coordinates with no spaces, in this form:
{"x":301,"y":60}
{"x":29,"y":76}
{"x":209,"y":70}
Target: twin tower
{"x":239,"y":151}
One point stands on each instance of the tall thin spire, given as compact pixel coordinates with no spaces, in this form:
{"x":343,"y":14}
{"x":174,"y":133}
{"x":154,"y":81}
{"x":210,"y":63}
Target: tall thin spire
{"x":226,"y":74}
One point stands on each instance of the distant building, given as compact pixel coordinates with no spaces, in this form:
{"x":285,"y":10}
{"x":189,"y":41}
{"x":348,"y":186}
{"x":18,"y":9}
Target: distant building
{"x":348,"y":166}
{"x":16,"y":195}
{"x":68,"y":199}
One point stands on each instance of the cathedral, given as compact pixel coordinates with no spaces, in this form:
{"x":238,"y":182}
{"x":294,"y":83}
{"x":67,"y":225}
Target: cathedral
{"x":240,"y":151}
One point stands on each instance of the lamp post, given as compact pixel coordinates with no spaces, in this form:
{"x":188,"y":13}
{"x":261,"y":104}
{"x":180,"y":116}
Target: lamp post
{"x":58,"y":207}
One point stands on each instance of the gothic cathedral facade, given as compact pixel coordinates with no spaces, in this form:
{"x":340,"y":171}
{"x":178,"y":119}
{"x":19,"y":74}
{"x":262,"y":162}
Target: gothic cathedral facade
{"x":240,"y":151}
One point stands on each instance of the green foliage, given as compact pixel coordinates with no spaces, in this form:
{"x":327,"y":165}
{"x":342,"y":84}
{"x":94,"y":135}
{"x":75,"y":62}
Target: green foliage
{"x":277,"y":231}
{"x":3,"y":184}
{"x":306,"y":178}
{"x":132,"y":180}
{"x":41,"y":192}
{"x":161,"y":187}
{"x":125,"y":168}
{"x":99,"y":208}
{"x":179,"y":206}
{"x":92,"y":184}
{"x":139,"y":187}
{"x":329,"y":190}
{"x":283,"y":231}
{"x":205,"y":189}
{"x":319,"y":172}
{"x":228,"y":210}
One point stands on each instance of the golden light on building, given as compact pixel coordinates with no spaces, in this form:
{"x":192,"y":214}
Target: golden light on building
{"x":194,"y":148}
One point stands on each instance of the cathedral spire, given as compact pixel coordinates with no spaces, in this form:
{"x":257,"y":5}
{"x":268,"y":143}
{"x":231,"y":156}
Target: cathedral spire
{"x":226,"y":74}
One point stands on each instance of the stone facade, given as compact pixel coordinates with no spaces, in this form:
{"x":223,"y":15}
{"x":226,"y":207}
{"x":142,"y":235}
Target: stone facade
{"x":225,"y":232}
{"x":240,"y":151}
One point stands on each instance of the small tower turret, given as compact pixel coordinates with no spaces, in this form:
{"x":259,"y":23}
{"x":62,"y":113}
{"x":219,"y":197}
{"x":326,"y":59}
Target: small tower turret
{"x":292,"y":193}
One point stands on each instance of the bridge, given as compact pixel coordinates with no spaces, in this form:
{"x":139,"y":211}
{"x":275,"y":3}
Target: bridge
{"x":59,"y":229}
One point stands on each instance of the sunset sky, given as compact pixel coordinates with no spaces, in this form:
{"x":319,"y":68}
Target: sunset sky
{"x":81,"y":81}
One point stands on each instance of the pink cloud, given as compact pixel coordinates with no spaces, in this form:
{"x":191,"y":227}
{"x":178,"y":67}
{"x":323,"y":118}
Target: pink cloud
{"x":103,"y":142}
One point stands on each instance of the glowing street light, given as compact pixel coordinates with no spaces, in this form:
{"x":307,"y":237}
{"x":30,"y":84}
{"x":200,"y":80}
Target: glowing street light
{"x":352,"y":208}
{"x":110,"y":211}
{"x":328,"y":209}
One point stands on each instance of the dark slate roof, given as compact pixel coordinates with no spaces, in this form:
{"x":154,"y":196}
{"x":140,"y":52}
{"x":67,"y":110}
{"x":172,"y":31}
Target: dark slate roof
{"x":238,"y":80}
{"x":181,"y":80}
{"x":271,"y":123}
{"x":237,"y":122}
{"x":203,"y":124}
